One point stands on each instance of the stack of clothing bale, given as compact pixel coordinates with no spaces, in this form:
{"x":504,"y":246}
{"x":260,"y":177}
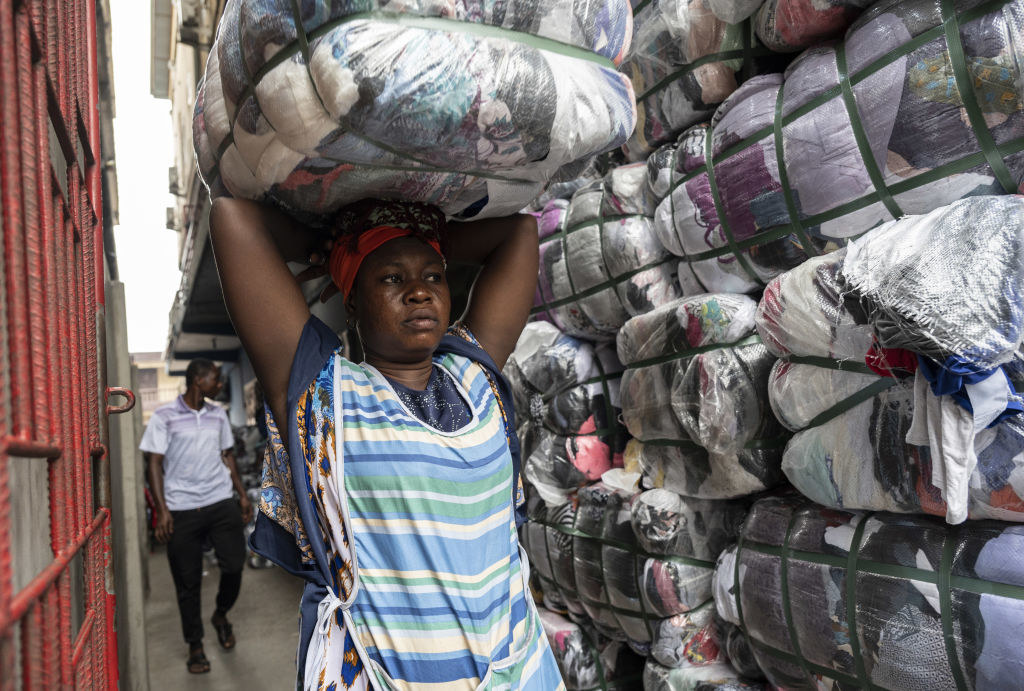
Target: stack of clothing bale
{"x":566,"y":394}
{"x":600,"y":262}
{"x":469,"y":105}
{"x":835,"y":599}
{"x":920,"y":105}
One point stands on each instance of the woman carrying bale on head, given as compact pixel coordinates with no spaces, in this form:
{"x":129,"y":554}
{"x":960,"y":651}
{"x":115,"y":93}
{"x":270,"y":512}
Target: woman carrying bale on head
{"x":402,"y":519}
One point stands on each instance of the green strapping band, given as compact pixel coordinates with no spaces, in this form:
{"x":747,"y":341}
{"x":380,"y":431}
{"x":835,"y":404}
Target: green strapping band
{"x":787,"y":612}
{"x":679,"y":355}
{"x":969,"y":97}
{"x":593,"y":290}
{"x":772,"y":443}
{"x":850,"y":402}
{"x":946,"y":608}
{"x":601,"y":379}
{"x":787,"y":192}
{"x":851,"y":601}
{"x":829,"y":363}
{"x":723,"y":222}
{"x":668,"y":80}
{"x":860,"y":136}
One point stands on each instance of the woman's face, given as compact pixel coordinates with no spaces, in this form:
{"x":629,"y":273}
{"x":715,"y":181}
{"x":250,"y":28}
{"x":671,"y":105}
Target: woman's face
{"x":401,"y":301}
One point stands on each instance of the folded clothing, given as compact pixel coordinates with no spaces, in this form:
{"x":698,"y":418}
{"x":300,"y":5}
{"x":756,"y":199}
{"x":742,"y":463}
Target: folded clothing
{"x":717,"y":438}
{"x":566,"y":395}
{"x":835,"y":599}
{"x":468,"y":105}
{"x":603,"y":264}
{"x":892,"y":121}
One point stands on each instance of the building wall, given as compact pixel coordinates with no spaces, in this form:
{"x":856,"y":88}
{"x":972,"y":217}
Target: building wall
{"x":156,"y":386}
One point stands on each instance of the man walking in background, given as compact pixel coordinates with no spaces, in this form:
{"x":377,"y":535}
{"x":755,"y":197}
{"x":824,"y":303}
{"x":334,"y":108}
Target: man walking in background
{"x":192,"y":472}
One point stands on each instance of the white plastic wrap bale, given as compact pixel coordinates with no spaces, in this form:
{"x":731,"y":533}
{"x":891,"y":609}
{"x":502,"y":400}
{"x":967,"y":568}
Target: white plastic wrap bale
{"x":630,"y":563}
{"x":836,"y":600}
{"x":603,"y":264}
{"x":589,"y":661}
{"x":892,"y":121}
{"x":851,"y":421}
{"x":566,"y":394}
{"x":590,"y":563}
{"x":683,"y":61}
{"x":468,"y":105}
{"x":791,"y":25}
{"x":709,"y":676}
{"x":695,"y":399}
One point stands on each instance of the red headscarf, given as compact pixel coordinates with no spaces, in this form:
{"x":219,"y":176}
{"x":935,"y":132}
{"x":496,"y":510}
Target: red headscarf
{"x":346,"y":260}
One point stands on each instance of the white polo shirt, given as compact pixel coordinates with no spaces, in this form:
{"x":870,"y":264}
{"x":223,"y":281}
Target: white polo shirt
{"x":191,"y":442}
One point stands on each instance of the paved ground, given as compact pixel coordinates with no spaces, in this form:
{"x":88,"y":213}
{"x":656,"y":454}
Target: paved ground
{"x":265,"y":620}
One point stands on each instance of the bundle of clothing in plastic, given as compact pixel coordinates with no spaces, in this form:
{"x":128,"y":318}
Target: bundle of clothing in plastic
{"x":566,"y":395}
{"x":791,"y":25}
{"x":695,"y":398}
{"x":900,"y":354}
{"x":469,"y":105}
{"x":836,"y":600}
{"x":600,"y":262}
{"x":587,"y":660}
{"x":631,"y":563}
{"x":892,"y":121}
{"x":683,"y":62}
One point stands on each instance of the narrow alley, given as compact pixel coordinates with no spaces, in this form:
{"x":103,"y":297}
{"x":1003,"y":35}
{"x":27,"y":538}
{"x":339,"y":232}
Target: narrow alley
{"x":265,"y":621}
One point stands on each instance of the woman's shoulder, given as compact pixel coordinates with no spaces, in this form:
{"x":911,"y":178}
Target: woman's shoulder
{"x":314,"y":359}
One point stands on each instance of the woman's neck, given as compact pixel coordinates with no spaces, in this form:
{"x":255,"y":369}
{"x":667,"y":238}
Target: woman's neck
{"x":412,"y":375}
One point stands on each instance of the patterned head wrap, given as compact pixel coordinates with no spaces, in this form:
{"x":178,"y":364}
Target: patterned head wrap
{"x":364,"y":226}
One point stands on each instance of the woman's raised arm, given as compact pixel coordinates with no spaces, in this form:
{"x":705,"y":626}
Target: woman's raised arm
{"x":251,"y":243}
{"x":503,"y":293}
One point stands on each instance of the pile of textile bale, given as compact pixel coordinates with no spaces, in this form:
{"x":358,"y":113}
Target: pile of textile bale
{"x":791,"y":25}
{"x":893,"y":120}
{"x":600,"y":262}
{"x":566,"y":394}
{"x":695,"y":398}
{"x":899,"y":357}
{"x":471,"y":106}
{"x":836,"y":599}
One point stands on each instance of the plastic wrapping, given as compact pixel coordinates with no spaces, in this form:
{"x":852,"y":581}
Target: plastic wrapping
{"x":837,"y":600}
{"x":889,"y":137}
{"x":717,"y":437}
{"x":566,"y":395}
{"x":587,"y":660}
{"x":710,"y":676}
{"x":468,"y":105}
{"x":851,"y":418}
{"x":788,"y":26}
{"x":603,"y":264}
{"x":675,"y":75}
{"x":590,"y":562}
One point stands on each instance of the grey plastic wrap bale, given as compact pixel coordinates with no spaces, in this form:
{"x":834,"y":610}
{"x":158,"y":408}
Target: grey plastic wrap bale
{"x":889,"y":122}
{"x":468,"y":105}
{"x":850,"y":422}
{"x":835,"y":600}
{"x":566,"y":393}
{"x":695,"y":399}
{"x":603,"y":264}
{"x":683,"y":61}
{"x":587,"y":660}
{"x":547,"y":539}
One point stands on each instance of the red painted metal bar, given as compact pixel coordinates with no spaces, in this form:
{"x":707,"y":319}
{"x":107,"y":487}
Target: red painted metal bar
{"x":38,"y":585}
{"x":26,"y":448}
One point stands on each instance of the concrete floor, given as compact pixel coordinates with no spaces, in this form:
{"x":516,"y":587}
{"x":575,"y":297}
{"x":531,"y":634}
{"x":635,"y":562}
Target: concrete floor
{"x":265,"y":621}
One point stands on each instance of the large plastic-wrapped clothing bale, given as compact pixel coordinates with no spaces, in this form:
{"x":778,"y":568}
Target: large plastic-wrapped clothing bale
{"x":683,"y":61}
{"x":590,"y":563}
{"x":695,"y":399}
{"x":566,"y":394}
{"x":836,"y":600}
{"x":892,"y":121}
{"x":737,"y":649}
{"x":587,"y":660}
{"x":603,"y":264}
{"x":791,"y":25}
{"x":852,"y":411}
{"x":708,"y":676}
{"x":471,"y":106}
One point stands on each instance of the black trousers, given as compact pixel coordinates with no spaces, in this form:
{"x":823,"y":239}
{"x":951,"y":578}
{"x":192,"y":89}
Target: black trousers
{"x":222,"y":523}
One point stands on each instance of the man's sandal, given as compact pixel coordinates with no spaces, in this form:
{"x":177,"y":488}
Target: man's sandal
{"x":197,"y":662}
{"x":225,"y":635}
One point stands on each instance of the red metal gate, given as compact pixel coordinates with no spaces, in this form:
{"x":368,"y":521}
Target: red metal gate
{"x":56,"y":631}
